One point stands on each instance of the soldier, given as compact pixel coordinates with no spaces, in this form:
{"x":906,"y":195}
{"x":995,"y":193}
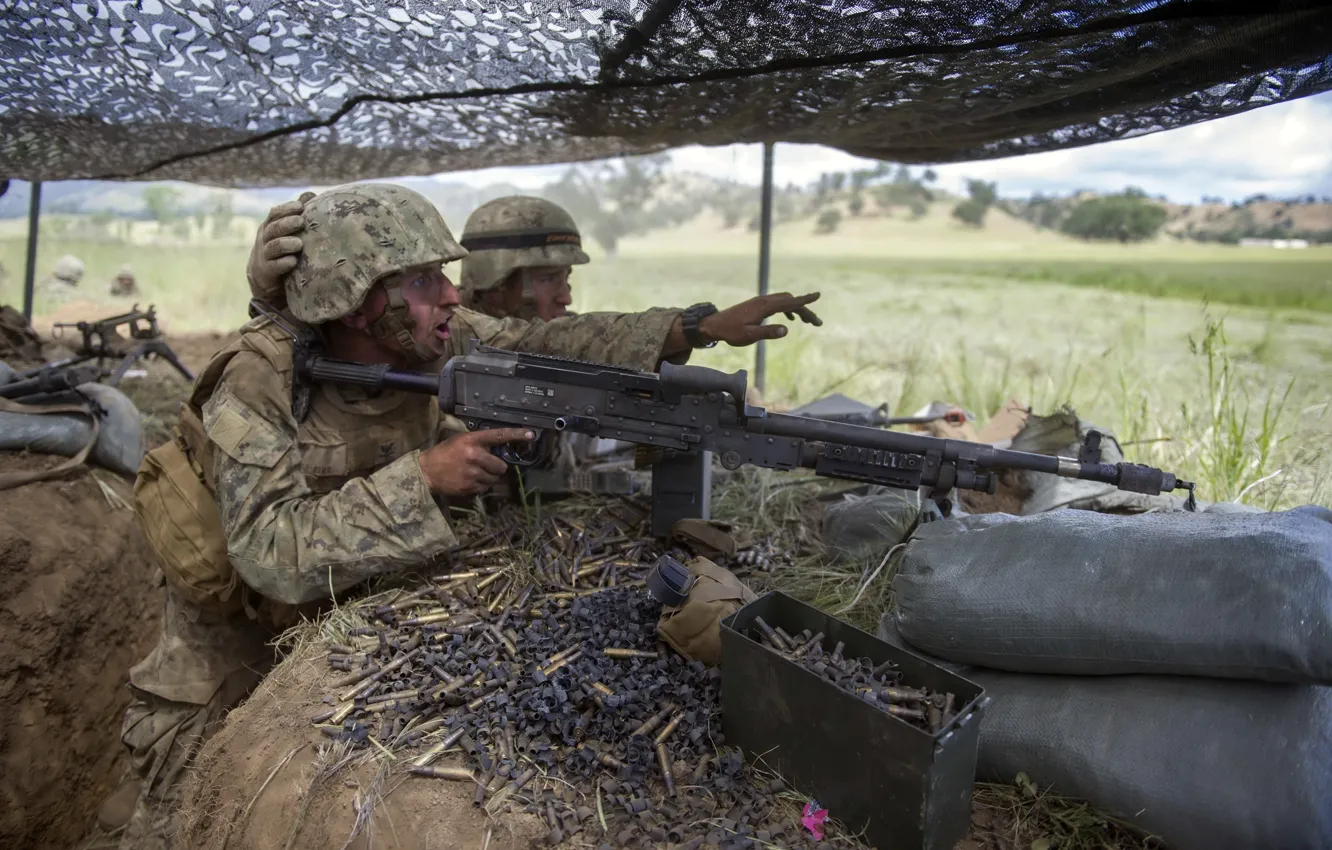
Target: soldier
{"x":521,"y":252}
{"x":64,"y":279}
{"x":124,"y":284}
{"x":274,"y":495}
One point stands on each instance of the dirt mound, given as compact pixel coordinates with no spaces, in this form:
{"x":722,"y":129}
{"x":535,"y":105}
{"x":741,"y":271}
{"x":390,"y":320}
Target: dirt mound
{"x":268,"y":779}
{"x":78,"y":609}
{"x":20,"y":346}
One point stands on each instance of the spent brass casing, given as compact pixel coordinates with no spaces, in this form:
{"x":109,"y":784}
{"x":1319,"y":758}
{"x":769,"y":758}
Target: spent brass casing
{"x":392,"y":695}
{"x":890,"y":694}
{"x":459,"y":774}
{"x":817,"y":640}
{"x":387,"y":668}
{"x":476,"y":704}
{"x":664,"y":759}
{"x":902,"y":711}
{"x":430,"y":755}
{"x":654,"y":721}
{"x":439,"y":616}
{"x":488,"y":581}
{"x":625,"y":652}
{"x":563,"y":661}
{"x":665,"y":734}
{"x":353,"y":678}
{"x":768,"y":632}
{"x":598,"y":686}
{"x":605,"y":758}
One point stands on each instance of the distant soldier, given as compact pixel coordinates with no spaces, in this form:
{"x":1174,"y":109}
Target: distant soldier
{"x":64,"y":279}
{"x":124,"y":284}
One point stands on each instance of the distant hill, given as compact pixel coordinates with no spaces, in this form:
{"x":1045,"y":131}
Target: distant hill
{"x":86,"y":197}
{"x":1306,"y":217}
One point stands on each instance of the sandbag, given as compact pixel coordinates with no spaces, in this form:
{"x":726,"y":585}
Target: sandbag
{"x":7,"y":373}
{"x":864,"y":527}
{"x":1201,"y":763}
{"x":119,"y":445}
{"x":1242,"y":596}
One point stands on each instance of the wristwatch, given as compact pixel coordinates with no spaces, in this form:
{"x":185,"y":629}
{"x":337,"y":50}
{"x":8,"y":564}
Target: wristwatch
{"x":689,"y":321}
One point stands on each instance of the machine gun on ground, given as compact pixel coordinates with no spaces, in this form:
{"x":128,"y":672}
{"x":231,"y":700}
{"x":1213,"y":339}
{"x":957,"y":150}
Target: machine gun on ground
{"x":102,"y":342}
{"x":840,"y":408}
{"x":694,"y":411}
{"x":52,"y":378}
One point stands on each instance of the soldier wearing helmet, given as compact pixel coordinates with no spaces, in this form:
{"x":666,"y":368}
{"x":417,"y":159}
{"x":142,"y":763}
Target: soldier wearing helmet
{"x":274,"y":495}
{"x":521,"y":251}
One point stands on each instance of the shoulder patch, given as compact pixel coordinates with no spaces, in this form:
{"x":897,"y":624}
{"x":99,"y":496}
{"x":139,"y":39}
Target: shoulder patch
{"x":242,"y":434}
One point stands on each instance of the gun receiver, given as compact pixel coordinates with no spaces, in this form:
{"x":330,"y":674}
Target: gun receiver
{"x":694,"y":409}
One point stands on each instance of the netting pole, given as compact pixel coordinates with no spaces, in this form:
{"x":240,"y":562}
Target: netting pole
{"x":30,"y":272}
{"x":765,"y":247}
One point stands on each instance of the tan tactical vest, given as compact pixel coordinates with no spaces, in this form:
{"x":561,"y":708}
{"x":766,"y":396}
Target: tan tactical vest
{"x":344,"y":435}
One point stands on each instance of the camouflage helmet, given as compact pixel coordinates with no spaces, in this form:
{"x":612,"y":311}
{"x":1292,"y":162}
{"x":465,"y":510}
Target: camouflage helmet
{"x":512,"y":233}
{"x":356,"y":235}
{"x":68,"y":268}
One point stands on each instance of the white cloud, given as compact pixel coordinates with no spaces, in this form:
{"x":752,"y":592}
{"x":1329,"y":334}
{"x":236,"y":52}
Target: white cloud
{"x":1281,"y":150}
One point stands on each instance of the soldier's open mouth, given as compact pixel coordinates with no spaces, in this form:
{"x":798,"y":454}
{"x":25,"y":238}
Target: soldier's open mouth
{"x":442,"y":329}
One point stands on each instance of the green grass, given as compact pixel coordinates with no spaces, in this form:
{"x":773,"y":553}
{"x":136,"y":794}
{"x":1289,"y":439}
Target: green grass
{"x":1304,"y":283}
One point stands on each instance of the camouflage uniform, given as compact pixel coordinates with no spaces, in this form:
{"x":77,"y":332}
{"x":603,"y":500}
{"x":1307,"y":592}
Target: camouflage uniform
{"x":515,"y":234}
{"x":326,"y":501}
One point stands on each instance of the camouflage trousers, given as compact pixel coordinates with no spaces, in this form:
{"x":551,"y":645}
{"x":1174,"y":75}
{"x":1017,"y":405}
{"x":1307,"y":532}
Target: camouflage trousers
{"x":204,"y":664}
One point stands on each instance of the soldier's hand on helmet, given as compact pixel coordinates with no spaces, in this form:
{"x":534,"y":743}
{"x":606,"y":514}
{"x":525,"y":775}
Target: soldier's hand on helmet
{"x":463,"y":464}
{"x":743,"y":324}
{"x":276,"y":250}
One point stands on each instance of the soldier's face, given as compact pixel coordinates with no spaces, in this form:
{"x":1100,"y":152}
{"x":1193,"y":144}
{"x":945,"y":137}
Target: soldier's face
{"x":430,"y":297}
{"x":551,"y":292}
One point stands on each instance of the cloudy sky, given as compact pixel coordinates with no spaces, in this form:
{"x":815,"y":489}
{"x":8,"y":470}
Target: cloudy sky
{"x":1280,"y":150}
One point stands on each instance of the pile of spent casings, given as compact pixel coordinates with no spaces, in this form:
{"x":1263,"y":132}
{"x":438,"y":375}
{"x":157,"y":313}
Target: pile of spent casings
{"x":546,"y":679}
{"x":879,"y":685}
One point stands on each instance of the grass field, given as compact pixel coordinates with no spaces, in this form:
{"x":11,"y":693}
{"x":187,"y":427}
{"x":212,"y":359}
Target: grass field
{"x":1213,"y":361}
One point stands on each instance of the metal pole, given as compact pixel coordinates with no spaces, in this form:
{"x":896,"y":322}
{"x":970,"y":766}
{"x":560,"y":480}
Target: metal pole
{"x":765,"y":246}
{"x":34,"y":212}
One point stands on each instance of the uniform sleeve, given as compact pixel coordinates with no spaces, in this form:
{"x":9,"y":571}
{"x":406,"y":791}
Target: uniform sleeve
{"x":628,"y":340}
{"x":285,"y":541}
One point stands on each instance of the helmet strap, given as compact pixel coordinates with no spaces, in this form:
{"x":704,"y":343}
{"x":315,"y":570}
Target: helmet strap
{"x":395,"y":327}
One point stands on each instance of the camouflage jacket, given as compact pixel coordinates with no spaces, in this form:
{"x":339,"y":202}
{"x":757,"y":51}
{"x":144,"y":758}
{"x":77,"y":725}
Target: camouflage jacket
{"x":328,"y":502}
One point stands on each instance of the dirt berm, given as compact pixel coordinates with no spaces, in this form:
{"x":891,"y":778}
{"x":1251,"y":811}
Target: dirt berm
{"x":77,"y":609}
{"x":269,"y":779}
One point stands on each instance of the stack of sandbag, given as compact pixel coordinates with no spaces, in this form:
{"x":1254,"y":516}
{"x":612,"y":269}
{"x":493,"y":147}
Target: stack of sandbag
{"x":1172,"y":668}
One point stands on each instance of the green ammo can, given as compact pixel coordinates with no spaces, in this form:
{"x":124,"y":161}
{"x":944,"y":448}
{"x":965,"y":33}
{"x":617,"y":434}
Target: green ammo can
{"x":906,"y":788}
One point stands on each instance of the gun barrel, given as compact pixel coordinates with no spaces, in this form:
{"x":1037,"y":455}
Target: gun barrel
{"x":1129,"y":476}
{"x":373,"y":375}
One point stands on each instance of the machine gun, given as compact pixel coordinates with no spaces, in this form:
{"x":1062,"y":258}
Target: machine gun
{"x":840,"y":408}
{"x":695,"y":412}
{"x":52,"y":378}
{"x":101,"y":342}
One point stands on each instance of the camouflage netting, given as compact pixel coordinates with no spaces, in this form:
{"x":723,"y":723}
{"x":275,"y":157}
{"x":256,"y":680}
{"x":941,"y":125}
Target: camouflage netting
{"x":270,"y":93}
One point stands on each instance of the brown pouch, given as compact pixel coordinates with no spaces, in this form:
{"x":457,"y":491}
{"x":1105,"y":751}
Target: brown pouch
{"x":694,"y":628}
{"x":180,"y":520}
